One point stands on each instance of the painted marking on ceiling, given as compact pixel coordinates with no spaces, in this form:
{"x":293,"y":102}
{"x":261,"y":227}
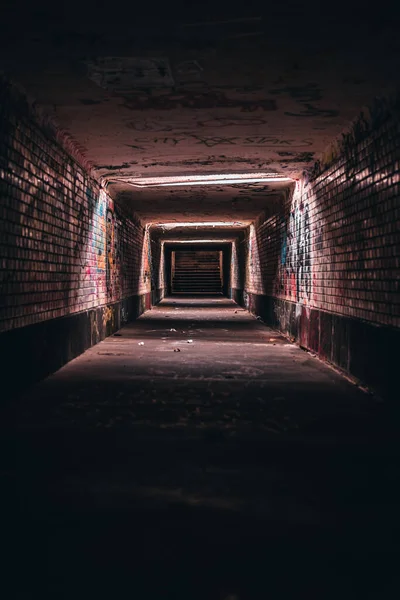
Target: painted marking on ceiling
{"x":124,"y":73}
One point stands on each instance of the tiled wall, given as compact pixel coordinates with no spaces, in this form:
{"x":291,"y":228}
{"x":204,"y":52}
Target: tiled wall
{"x":73,"y":266}
{"x":236,"y":280}
{"x":64,"y":246}
{"x":158,"y":268}
{"x":332,"y":245}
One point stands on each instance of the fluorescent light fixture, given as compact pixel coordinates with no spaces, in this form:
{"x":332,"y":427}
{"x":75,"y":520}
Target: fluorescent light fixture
{"x":200,"y":241}
{"x":203,"y":224}
{"x":222,"y":179}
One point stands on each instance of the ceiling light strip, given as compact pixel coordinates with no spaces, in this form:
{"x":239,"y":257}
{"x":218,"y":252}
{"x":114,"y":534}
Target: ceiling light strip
{"x":221,"y":182}
{"x":216,"y":179}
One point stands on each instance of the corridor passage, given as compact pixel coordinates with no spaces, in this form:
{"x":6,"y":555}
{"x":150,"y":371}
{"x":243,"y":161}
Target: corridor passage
{"x":190,"y":366}
{"x":197,"y":453}
{"x":200,"y":300}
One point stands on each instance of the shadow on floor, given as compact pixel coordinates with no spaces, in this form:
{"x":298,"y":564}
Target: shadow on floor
{"x":225,"y":471}
{"x":199,"y":302}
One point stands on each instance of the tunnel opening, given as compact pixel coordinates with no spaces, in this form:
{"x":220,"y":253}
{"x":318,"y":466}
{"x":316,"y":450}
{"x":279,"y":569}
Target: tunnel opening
{"x":198,"y":269}
{"x":196,"y":272}
{"x":203,"y":258}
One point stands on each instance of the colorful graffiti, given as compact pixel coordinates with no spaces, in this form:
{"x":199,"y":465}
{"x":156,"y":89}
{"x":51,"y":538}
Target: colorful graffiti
{"x":104,"y":276}
{"x":114,"y":253}
{"x":110,"y":241}
{"x":99,"y":228}
{"x":95,"y":261}
{"x":296,"y":253}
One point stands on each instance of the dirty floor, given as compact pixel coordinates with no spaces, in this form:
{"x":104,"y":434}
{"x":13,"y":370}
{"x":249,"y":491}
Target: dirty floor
{"x":197,"y":454}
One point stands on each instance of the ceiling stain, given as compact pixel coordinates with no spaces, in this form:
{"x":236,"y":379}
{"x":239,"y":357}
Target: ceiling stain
{"x":305,"y":93}
{"x":89,"y":101}
{"x":197,"y":100}
{"x":297,"y":157}
{"x":313,"y":111}
{"x":124,"y":73}
{"x":209,"y":162}
{"x":115,"y":167}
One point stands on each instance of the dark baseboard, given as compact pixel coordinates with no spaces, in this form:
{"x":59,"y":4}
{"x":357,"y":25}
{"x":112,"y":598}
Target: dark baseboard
{"x":363,"y":350}
{"x":236,"y":295}
{"x":157,"y":296}
{"x":28,"y":354}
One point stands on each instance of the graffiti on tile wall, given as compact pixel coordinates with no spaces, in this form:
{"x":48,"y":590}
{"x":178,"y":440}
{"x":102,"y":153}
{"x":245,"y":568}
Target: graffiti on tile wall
{"x":296,"y":253}
{"x":146,"y":259}
{"x":98,"y":242}
{"x":95,"y":258}
{"x":97,"y":208}
{"x":114,"y":253}
{"x":103,"y":257}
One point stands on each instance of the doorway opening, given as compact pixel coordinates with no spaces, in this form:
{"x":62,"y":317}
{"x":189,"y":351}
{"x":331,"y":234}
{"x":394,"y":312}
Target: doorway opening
{"x":198,"y":270}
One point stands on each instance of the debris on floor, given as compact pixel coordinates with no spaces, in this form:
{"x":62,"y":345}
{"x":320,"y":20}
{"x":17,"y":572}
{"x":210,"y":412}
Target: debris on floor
{"x":141,"y":344}
{"x":190,"y":341}
{"x":176,"y":349}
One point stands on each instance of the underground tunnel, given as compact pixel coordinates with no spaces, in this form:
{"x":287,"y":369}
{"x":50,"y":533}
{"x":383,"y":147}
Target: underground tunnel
{"x":199,"y":301}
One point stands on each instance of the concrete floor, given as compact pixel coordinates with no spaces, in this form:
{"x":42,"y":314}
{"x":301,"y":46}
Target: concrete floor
{"x":239,"y":467}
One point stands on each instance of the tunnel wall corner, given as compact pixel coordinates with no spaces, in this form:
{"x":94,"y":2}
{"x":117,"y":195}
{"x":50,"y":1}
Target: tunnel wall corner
{"x":236,"y":288}
{"x":157,"y":262}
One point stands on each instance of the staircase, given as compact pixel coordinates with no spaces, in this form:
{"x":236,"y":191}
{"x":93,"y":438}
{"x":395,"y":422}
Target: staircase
{"x":196,"y":272}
